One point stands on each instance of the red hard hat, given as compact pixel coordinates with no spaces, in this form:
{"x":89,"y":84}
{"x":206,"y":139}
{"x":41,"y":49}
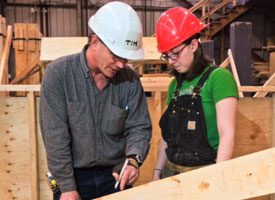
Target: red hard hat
{"x":175,"y":26}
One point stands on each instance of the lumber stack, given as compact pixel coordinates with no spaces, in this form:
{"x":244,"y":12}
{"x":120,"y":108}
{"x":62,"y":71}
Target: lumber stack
{"x":27,"y":53}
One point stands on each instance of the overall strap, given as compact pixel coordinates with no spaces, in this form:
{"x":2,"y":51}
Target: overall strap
{"x":198,"y":87}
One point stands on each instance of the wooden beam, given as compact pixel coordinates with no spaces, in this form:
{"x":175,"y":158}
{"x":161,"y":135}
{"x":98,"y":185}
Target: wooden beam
{"x":2,"y":33}
{"x":273,"y":120}
{"x":5,"y":56}
{"x":4,"y":79}
{"x":241,"y":178}
{"x":154,"y":84}
{"x":19,"y":88}
{"x":269,"y":82}
{"x":157,"y":131}
{"x":150,"y":84}
{"x":33,"y":141}
{"x":272,"y":62}
{"x":225,"y":63}
{"x":234,"y":70}
{"x":256,"y":89}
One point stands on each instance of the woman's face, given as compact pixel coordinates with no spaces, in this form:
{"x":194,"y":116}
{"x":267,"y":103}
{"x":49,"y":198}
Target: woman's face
{"x":181,"y":57}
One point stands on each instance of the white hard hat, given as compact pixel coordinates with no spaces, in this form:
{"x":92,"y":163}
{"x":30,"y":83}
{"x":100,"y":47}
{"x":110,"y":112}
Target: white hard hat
{"x":119,"y":27}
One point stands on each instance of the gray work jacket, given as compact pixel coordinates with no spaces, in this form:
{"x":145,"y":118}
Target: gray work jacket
{"x":83,"y":127}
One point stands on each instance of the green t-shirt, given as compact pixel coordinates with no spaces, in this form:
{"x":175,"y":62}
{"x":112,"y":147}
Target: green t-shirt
{"x":219,"y":85}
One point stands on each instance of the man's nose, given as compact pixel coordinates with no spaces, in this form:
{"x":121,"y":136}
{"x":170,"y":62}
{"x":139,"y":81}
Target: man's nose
{"x":120,"y":64}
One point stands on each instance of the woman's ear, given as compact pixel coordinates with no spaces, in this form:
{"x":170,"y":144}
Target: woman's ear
{"x":194,"y":45}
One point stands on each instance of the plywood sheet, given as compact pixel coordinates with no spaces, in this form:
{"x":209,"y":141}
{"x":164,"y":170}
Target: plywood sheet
{"x":55,"y":47}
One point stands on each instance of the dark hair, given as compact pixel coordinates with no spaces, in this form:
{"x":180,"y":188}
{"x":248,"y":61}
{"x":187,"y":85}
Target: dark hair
{"x":198,"y":65}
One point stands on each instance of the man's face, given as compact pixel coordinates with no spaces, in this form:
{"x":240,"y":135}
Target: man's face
{"x":108,"y":63}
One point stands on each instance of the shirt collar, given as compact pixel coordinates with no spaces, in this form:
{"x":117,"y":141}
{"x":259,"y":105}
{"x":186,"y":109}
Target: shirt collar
{"x":83,"y":61}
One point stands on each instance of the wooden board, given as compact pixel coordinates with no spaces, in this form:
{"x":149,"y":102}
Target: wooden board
{"x":241,"y":178}
{"x":2,"y":34}
{"x":272,"y":62}
{"x":4,"y":78}
{"x":14,"y":150}
{"x":254,"y":127}
{"x":55,"y":47}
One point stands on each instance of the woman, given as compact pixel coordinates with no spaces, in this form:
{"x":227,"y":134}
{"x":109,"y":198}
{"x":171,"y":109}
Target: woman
{"x":198,"y":126}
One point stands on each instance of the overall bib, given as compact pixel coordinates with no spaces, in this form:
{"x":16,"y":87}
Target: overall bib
{"x":184,"y":129}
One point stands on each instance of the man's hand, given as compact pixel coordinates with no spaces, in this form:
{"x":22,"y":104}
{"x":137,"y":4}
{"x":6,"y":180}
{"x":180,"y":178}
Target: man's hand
{"x":129,"y":177}
{"x":72,"y":195}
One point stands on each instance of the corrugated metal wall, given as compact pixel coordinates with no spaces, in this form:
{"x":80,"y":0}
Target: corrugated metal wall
{"x":58,"y":17}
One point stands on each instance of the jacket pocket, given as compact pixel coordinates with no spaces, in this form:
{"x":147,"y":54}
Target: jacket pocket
{"x":113,"y":120}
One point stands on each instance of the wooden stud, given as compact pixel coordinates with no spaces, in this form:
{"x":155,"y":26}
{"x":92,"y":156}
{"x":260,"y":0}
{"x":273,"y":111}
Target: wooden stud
{"x":272,"y":62}
{"x":234,"y":70}
{"x":157,"y":116}
{"x":2,"y":34}
{"x":225,"y":63}
{"x":273,"y":120}
{"x":4,"y":79}
{"x":153,"y":84}
{"x":256,"y":89}
{"x":16,"y":88}
{"x":34,"y":179}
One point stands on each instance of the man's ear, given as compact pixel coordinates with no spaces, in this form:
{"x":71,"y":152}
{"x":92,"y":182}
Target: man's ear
{"x":94,"y":39}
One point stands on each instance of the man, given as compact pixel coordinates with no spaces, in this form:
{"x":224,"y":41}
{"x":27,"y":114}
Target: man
{"x":93,"y":110}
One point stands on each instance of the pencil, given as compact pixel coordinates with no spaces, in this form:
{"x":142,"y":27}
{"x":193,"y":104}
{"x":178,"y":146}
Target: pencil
{"x":121,"y":172}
